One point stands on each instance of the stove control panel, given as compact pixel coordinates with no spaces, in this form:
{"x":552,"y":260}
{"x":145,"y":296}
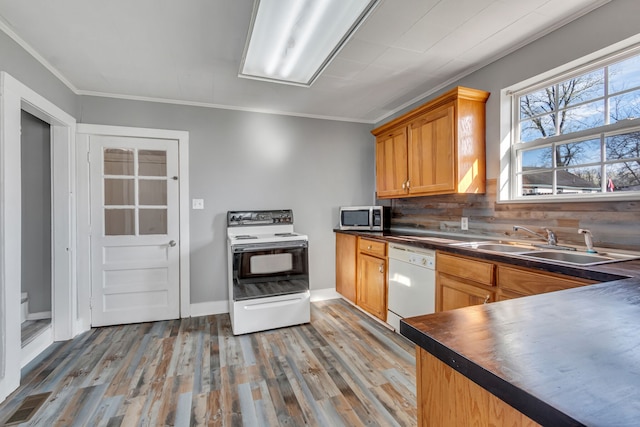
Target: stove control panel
{"x":245,"y":218}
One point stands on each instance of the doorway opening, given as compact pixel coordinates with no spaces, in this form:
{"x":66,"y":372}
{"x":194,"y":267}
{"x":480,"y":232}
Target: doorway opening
{"x":16,"y":98}
{"x":36,"y":254}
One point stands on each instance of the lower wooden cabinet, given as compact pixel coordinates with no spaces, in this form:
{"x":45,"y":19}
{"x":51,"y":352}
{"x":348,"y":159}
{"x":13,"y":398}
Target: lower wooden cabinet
{"x":462,"y":282}
{"x":361,"y":272}
{"x":455,"y":293}
{"x":346,"y":260}
{"x":371,"y":291}
{"x":361,"y":277}
{"x":448,"y":398}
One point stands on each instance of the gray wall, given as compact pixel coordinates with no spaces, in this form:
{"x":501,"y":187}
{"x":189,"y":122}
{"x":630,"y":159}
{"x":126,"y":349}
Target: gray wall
{"x":600,"y":28}
{"x":242,"y":160}
{"x":36,"y":212}
{"x":22,"y":66}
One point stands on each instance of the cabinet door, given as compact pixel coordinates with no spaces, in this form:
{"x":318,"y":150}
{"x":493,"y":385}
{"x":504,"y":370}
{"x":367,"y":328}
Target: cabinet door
{"x":432,"y":166}
{"x":372,"y":285}
{"x":346,"y":265}
{"x":391,"y":164}
{"x":454,"y":293}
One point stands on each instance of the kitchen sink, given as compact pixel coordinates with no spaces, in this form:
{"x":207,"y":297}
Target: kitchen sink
{"x":580,"y":258}
{"x":571,"y":257}
{"x":510,"y":247}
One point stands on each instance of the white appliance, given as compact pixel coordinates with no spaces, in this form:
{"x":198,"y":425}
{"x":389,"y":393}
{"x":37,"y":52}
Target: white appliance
{"x":268,"y":271}
{"x":412,"y":283}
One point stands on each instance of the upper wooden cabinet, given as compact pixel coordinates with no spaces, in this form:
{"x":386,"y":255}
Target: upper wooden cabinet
{"x":391,"y":164}
{"x":438,"y":148}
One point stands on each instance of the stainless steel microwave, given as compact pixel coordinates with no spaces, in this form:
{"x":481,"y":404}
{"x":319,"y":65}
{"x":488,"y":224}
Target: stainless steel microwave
{"x":372,"y":218}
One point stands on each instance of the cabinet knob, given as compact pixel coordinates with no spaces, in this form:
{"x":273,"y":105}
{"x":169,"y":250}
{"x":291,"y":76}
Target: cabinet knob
{"x":408,"y":184}
{"x":381,"y":268}
{"x":486,"y":300}
{"x":404,"y":185}
{"x":369,"y":247}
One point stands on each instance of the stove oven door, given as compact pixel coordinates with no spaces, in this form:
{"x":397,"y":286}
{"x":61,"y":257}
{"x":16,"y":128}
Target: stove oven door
{"x":269,"y":269}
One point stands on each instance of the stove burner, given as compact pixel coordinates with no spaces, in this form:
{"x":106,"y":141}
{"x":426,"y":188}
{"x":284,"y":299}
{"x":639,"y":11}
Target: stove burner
{"x":245,"y":237}
{"x":285,"y":234}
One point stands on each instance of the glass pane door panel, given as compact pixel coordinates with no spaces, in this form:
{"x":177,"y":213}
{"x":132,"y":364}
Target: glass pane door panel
{"x":152,"y":163}
{"x":119,"y":222}
{"x":118,"y":161}
{"x":153,"y":192}
{"x":119,"y":192}
{"x":153,"y":221}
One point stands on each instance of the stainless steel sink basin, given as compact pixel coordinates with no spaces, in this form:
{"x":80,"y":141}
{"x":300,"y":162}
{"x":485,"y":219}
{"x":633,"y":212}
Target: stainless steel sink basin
{"x":510,"y":247}
{"x":559,"y":256}
{"x":504,"y":247}
{"x":579,"y":258}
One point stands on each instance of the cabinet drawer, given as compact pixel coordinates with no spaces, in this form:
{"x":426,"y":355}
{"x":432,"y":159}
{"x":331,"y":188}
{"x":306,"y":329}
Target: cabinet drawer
{"x":532,"y":283}
{"x":478,"y":271}
{"x":372,"y":247}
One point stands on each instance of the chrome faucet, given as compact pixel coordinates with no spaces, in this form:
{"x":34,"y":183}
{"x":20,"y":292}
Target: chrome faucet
{"x":550,"y":238}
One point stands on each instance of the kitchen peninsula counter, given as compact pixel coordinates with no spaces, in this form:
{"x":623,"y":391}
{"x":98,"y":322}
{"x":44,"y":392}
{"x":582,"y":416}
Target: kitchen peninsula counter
{"x":564,"y":358}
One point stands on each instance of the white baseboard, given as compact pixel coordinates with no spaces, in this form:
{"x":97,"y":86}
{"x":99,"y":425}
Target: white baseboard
{"x":219,"y":307}
{"x":209,"y":307}
{"x":324,"y":294}
{"x":38,"y":316}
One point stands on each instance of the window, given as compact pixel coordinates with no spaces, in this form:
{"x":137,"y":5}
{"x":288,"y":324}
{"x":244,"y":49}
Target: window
{"x":577,"y":135}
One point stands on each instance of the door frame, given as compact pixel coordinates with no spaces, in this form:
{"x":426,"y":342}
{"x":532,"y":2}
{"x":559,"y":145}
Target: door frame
{"x":15,"y":97}
{"x":84,"y":132}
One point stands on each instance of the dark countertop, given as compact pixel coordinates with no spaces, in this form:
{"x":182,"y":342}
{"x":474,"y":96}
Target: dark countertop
{"x":563,"y":358}
{"x":569,"y":358}
{"x":441,"y":241}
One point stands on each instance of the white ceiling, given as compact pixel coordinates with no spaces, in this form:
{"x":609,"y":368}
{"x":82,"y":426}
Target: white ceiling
{"x":189,"y":51}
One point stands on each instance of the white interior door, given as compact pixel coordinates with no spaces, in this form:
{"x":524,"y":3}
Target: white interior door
{"x":135,"y":229}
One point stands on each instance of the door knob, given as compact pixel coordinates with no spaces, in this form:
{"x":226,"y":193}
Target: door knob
{"x":172,"y":243}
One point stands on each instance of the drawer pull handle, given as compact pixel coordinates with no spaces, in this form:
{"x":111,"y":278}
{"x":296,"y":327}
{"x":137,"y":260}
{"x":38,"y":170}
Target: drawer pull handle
{"x":486,"y":300}
{"x":369,"y":247}
{"x":381,"y":268}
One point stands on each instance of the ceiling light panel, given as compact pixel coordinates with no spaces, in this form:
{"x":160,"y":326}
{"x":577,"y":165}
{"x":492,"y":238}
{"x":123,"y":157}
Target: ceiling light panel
{"x":292,"y":41}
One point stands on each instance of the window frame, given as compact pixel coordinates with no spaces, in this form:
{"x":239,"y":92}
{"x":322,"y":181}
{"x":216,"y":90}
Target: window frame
{"x":510,"y":178}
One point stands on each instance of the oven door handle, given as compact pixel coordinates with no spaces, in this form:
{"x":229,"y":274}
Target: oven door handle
{"x":274,"y":304}
{"x":268,"y":246}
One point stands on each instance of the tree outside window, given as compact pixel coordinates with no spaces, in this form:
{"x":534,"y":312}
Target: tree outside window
{"x":580,"y":135}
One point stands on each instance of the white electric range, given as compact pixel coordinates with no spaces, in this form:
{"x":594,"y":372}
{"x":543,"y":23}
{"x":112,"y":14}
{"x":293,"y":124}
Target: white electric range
{"x":268,"y":271}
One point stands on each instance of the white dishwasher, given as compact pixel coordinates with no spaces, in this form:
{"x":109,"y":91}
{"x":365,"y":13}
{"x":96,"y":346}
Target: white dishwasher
{"x":412,"y":283}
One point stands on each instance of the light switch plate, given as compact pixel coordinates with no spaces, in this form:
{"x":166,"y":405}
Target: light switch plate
{"x":197,"y":203}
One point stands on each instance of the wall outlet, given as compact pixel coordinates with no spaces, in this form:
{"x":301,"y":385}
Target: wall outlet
{"x":197,"y":203}
{"x":464,"y":223}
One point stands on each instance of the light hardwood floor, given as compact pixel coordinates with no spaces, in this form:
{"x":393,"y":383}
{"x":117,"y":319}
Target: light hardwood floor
{"x":341,"y":369}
